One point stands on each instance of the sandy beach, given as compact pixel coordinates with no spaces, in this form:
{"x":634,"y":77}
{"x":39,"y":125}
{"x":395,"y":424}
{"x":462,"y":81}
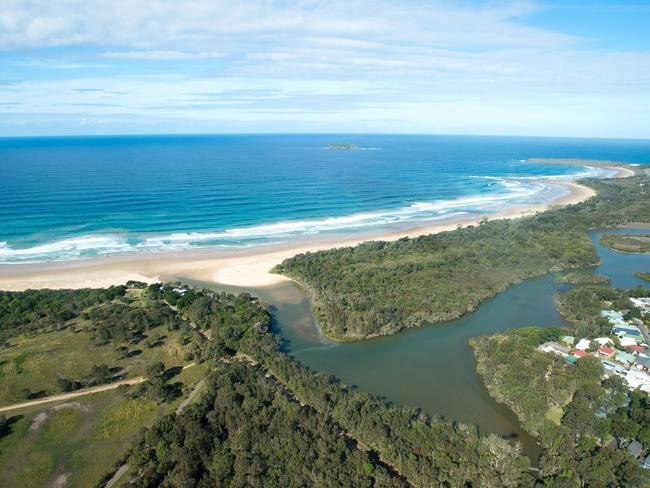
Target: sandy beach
{"x":244,"y":268}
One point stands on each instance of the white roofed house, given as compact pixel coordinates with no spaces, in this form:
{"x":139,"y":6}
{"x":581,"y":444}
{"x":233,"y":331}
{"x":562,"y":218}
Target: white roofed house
{"x":627,"y":341}
{"x":642,"y":303}
{"x":554,"y":347}
{"x":612,"y":315}
{"x":583,"y":344}
{"x":638,"y":379}
{"x":603,"y":341}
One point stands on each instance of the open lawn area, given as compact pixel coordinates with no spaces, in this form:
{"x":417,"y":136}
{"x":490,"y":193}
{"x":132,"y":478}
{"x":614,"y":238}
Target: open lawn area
{"x":31,"y":365}
{"x":78,"y":441}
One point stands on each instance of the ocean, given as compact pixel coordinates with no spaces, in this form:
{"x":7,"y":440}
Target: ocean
{"x":66,"y":198}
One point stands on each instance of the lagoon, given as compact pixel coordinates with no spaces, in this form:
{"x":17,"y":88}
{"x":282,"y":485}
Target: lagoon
{"x":433,"y":367}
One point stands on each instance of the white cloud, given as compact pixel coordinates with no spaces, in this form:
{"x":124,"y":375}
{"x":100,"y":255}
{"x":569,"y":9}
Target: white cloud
{"x":191,"y":25}
{"x":411,"y":65}
{"x":158,"y":55}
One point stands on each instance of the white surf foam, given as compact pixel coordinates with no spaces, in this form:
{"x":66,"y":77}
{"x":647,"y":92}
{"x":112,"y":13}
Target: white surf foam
{"x":504,"y":190}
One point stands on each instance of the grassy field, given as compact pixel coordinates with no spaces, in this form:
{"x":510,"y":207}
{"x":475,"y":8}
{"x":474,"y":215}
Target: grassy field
{"x":81,"y":440}
{"x":36,"y":362}
{"x":77,"y":441}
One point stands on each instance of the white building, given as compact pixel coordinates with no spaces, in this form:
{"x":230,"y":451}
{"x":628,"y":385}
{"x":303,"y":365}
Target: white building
{"x":603,"y":341}
{"x":627,"y":341}
{"x":554,"y":347}
{"x":638,"y":379}
{"x":583,"y":344}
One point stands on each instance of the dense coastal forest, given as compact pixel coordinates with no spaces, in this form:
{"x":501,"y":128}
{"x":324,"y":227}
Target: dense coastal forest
{"x":264,"y":419}
{"x":273,"y":396}
{"x":247,"y":431}
{"x":380,"y":288}
{"x":260,"y":418}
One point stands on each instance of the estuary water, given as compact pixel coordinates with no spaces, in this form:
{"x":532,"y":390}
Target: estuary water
{"x":433,"y":367}
{"x":68,"y":198}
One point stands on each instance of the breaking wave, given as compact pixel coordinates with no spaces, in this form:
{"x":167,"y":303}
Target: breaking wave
{"x":499,"y":191}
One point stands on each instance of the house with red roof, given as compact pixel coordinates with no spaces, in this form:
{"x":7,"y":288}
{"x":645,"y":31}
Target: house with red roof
{"x":635,"y":349}
{"x":607,"y":352}
{"x":579,"y":354}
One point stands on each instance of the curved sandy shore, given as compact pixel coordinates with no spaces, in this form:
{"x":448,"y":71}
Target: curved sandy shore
{"x":245,"y":268}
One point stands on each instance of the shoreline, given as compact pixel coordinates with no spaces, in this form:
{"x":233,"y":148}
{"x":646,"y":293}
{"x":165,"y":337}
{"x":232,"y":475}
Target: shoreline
{"x":620,"y":169}
{"x":241,"y":268}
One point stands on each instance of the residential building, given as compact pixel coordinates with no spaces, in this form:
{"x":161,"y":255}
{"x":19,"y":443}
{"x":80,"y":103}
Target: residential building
{"x":635,"y":448}
{"x":569,"y":340}
{"x":613,"y":367}
{"x":627,"y":341}
{"x":642,"y":363}
{"x":612,"y":315}
{"x":554,"y":347}
{"x":625,"y":357}
{"x":635,"y":349}
{"x":606,"y":352}
{"x":603,"y":340}
{"x":583,"y":344}
{"x":627,"y":330}
{"x":638,"y":379}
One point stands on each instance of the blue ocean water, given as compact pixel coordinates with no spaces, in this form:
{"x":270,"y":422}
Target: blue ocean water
{"x":74,"y":197}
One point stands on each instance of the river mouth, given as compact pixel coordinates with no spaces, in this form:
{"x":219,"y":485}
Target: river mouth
{"x":433,"y":367}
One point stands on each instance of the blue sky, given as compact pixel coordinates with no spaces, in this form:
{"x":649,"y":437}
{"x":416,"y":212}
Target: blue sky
{"x":548,"y":68}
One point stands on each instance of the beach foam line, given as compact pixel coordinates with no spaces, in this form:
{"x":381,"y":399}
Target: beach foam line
{"x":511,"y":190}
{"x":242,"y":268}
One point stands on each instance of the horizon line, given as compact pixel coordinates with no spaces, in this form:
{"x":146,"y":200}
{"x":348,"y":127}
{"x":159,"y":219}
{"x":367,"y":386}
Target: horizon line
{"x":270,"y":133}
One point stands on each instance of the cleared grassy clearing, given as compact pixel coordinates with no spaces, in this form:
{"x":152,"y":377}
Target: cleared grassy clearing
{"x":37,"y":362}
{"x":83,"y":439}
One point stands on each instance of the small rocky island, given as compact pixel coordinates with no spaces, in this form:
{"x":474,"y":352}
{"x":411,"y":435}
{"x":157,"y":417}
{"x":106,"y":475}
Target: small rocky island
{"x":343,"y":147}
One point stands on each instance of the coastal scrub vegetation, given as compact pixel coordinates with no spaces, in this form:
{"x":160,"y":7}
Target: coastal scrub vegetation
{"x":645,"y":276}
{"x":380,"y":288}
{"x":41,"y":310}
{"x":635,"y":243}
{"x":246,"y":431}
{"x":57,"y":341}
{"x":582,"y":277}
